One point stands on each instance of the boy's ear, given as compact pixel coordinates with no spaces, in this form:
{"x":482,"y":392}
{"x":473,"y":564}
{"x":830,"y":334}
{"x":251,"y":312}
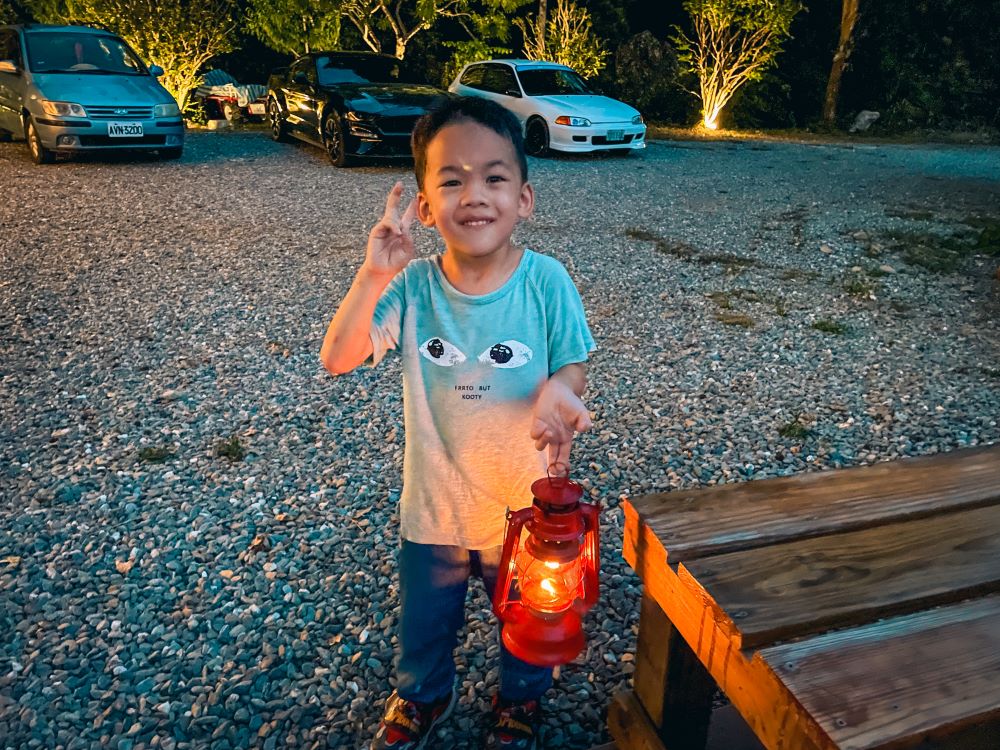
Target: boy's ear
{"x":526,"y":201}
{"x":424,"y":210}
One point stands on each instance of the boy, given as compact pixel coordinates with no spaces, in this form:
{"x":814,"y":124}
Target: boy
{"x":494,"y":341}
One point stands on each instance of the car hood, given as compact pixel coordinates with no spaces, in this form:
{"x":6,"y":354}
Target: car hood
{"x":101,"y":89}
{"x":382,"y":98}
{"x":592,"y":106}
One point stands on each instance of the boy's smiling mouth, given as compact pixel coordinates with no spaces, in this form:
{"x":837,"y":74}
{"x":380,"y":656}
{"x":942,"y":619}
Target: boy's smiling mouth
{"x":476,"y":222}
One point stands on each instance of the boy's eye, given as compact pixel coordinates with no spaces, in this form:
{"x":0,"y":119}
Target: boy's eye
{"x":450,"y":183}
{"x":506,"y":355}
{"x":496,"y":178}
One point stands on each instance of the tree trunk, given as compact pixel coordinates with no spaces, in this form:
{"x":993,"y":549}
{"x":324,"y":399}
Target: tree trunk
{"x":848,"y":18}
{"x":543,"y":8}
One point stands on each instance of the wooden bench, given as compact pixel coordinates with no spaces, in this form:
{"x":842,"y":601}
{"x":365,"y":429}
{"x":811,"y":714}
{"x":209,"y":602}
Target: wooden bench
{"x":848,"y":609}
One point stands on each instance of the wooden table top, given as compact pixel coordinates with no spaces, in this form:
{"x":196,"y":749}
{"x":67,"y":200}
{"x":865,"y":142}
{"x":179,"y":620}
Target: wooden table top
{"x":857,"y":608}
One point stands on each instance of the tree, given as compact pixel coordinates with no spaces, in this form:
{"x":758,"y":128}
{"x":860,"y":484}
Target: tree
{"x":848,"y":18}
{"x":570,"y":35}
{"x":295,"y":26}
{"x":733,"y":42}
{"x":6,"y":12}
{"x":178,"y":35}
{"x":404,"y":19}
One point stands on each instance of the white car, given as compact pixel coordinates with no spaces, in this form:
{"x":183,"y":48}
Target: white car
{"x":554,"y":104}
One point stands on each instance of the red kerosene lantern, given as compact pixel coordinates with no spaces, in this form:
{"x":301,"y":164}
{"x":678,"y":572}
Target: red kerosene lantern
{"x":547,"y":584}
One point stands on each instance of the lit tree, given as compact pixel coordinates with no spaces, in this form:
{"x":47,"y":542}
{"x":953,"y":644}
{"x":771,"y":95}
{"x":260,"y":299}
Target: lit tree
{"x":848,"y":18}
{"x":733,"y":42}
{"x":295,"y":26}
{"x":178,"y":35}
{"x":570,"y":35}
{"x":404,"y":19}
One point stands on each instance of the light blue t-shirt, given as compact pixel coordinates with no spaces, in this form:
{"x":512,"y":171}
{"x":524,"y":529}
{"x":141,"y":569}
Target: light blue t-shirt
{"x":472,"y":367}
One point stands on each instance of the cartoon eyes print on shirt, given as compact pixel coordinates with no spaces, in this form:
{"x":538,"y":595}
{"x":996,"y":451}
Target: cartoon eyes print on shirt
{"x":441,"y":352}
{"x":506,"y":355}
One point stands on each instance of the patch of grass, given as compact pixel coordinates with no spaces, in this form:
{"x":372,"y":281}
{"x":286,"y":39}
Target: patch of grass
{"x":726,"y":259}
{"x":780,"y":308}
{"x":794,"y":429}
{"x":910,"y":212}
{"x":858,"y":286}
{"x":668,"y":247}
{"x":721,"y":299}
{"x":155,"y":454}
{"x":231,"y":449}
{"x":934,"y":252}
{"x":830,"y":326}
{"x":735,"y":319}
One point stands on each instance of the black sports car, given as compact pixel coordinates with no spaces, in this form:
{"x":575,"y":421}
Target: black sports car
{"x":349,"y":103}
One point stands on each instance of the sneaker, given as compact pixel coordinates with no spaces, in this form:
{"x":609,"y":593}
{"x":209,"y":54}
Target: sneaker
{"x":515,"y":725}
{"x":406,"y":725}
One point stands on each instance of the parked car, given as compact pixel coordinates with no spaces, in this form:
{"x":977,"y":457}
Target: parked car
{"x":226,"y":98}
{"x":71,"y":89}
{"x":351,"y":104}
{"x":557,"y":108}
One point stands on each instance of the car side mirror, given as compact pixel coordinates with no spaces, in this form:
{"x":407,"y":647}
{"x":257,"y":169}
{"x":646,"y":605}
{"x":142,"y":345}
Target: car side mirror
{"x":513,"y":92}
{"x":156,"y":71}
{"x":9,"y":66}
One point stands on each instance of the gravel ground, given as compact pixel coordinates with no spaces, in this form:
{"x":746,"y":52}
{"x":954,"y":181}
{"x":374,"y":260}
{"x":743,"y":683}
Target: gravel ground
{"x":159,"y":320}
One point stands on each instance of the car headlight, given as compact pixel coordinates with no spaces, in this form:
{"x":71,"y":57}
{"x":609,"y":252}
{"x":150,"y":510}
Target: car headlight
{"x":62,"y":109}
{"x":358,"y":116}
{"x":167,"y":110}
{"x":577,"y":122}
{"x":637,"y":120}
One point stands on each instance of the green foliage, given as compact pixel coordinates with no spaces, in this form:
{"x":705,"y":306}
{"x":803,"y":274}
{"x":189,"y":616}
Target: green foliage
{"x":569,"y":39}
{"x":644,"y":74}
{"x":467,"y":52}
{"x":155,"y":454}
{"x":732,"y":43}
{"x":7,"y":14}
{"x":795,"y":430}
{"x":178,"y":35}
{"x":295,"y":26}
{"x":231,"y":449}
{"x":830,"y":326}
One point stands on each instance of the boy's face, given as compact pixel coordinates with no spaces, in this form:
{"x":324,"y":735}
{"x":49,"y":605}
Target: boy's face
{"x":473,"y":192}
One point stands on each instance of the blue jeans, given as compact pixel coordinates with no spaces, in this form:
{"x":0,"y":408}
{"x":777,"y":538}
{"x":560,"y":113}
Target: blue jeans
{"x":433,"y":581}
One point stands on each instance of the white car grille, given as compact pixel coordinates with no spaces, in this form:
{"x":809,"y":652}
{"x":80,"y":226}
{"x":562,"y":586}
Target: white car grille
{"x":120,"y":113}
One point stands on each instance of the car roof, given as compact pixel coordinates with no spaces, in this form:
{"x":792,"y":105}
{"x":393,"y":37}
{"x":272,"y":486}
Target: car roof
{"x":47,"y":28}
{"x":521,"y":63}
{"x":347,"y":54}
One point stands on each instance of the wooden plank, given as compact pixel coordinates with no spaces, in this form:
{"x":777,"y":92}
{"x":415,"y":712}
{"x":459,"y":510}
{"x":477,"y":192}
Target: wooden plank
{"x":804,"y":587}
{"x":752,"y":514}
{"x":772,"y":714}
{"x":629,"y":725}
{"x":891,"y":683}
{"x":670,"y":683}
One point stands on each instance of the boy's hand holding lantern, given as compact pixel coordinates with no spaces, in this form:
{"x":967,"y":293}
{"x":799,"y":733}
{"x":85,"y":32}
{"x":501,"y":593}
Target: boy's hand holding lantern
{"x":547,"y":584}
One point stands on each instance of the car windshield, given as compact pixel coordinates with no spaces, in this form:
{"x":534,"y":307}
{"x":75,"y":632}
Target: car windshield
{"x":334,"y":70}
{"x":70,"y":52}
{"x":552,"y":82}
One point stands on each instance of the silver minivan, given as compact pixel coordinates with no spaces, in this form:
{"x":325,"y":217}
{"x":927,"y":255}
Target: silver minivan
{"x":71,"y":89}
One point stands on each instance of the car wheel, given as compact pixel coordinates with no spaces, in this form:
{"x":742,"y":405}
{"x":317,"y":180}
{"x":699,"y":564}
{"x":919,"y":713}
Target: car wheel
{"x":333,"y":140}
{"x":231,"y":112}
{"x":171,"y":153}
{"x":279,"y":131}
{"x":536,"y":138}
{"x":39,"y":154}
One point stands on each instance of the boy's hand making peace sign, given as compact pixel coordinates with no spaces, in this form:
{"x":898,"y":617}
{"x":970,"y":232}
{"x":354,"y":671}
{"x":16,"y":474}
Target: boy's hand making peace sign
{"x":390,"y":244}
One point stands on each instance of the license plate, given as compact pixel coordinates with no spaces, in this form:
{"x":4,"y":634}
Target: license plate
{"x":256,"y":108}
{"x":125,"y":129}
{"x":616,"y":135}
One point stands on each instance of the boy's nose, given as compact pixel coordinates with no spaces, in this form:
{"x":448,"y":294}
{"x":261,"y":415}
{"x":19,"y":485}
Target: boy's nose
{"x":473,"y":195}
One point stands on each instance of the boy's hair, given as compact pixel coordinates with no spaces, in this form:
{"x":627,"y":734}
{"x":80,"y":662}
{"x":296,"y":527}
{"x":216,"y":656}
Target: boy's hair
{"x":483,"y":112}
